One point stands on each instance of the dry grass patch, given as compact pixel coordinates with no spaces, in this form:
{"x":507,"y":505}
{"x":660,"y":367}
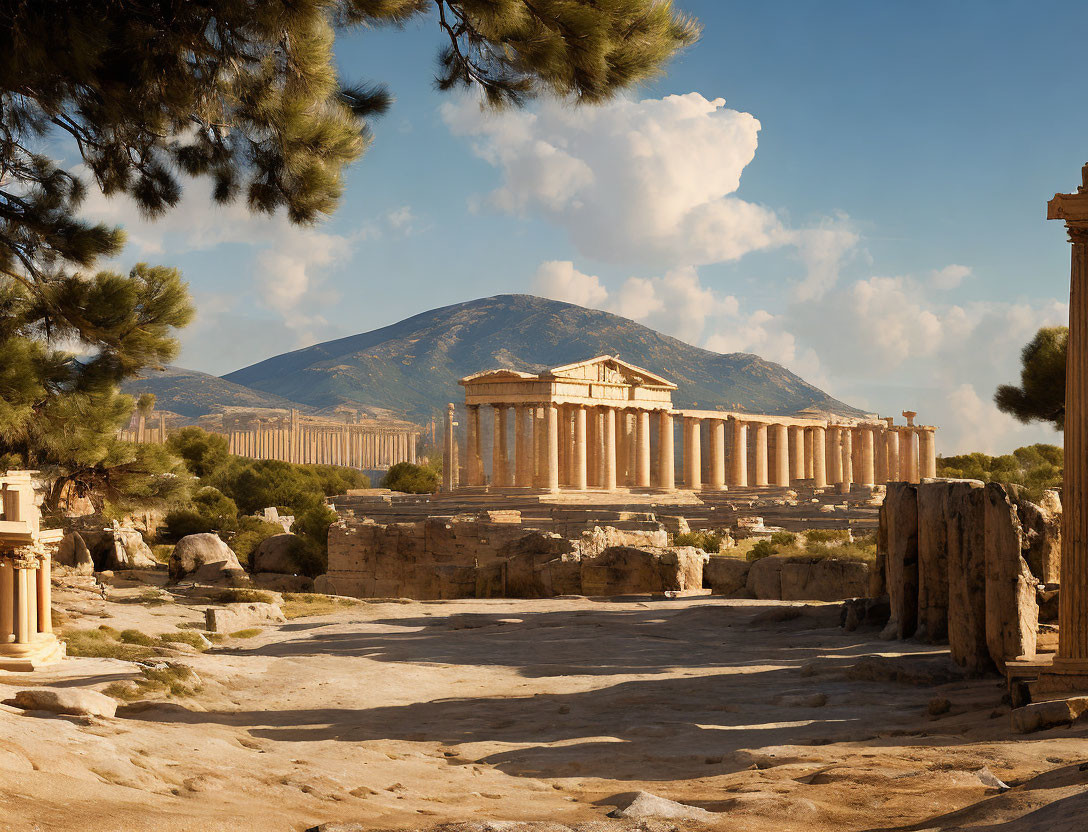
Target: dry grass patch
{"x":299,"y":604}
{"x":241,"y":595}
{"x":173,"y":680}
{"x":249,"y":632}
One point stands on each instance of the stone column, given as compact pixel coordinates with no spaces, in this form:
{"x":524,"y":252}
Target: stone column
{"x":739,"y":469}
{"x":591,"y":447}
{"x":609,"y":433}
{"x":1073,"y":610}
{"x":44,"y":594}
{"x":499,"y":465}
{"x":781,"y":455}
{"x":538,"y":447}
{"x":834,"y":454}
{"x":810,"y":461}
{"x":523,"y":464}
{"x":666,"y":454}
{"x":7,"y":596}
{"x":579,"y":479}
{"x":819,"y":469}
{"x":891,"y":442}
{"x":717,"y":454}
{"x":927,"y":453}
{"x":601,"y":453}
{"x":551,"y":448}
{"x":905,"y":435}
{"x":797,"y":453}
{"x":473,"y":458}
{"x":761,"y":455}
{"x":846,"y":452}
{"x":642,"y":450}
{"x":867,"y":474}
{"x":449,"y":465}
{"x":693,"y":457}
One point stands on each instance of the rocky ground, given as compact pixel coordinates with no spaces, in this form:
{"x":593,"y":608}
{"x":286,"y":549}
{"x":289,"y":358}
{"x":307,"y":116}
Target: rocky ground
{"x":757,"y":715}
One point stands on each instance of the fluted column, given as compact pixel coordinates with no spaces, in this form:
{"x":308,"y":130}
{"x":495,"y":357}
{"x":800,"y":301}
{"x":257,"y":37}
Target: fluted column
{"x":891,"y":441}
{"x":834,"y":454}
{"x":693,"y":459}
{"x":761,"y":455}
{"x":551,"y":448}
{"x":642,"y":449}
{"x":449,"y":469}
{"x":810,"y":460}
{"x":738,"y":471}
{"x":473,"y":459}
{"x":499,"y":465}
{"x":819,"y":458}
{"x":927,"y":453}
{"x":846,"y":448}
{"x":609,"y":432}
{"x":867,"y":474}
{"x":797,"y":453}
{"x":716,"y":438}
{"x":539,"y":474}
{"x":579,"y":479}
{"x":666,"y":454}
{"x":1073,"y":610}
{"x":781,"y":455}
{"x":7,"y":598}
{"x":523,"y":444}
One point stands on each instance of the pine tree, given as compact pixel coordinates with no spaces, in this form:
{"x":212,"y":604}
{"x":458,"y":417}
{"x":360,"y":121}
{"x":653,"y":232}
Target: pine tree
{"x":245,"y":93}
{"x":1041,"y":394}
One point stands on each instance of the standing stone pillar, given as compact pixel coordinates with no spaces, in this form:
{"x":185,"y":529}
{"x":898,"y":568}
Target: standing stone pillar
{"x":846,"y":453}
{"x":499,"y":464}
{"x":891,"y":450}
{"x":538,"y":447}
{"x":797,"y":453}
{"x":609,"y":433}
{"x":523,"y":464}
{"x":473,"y":458}
{"x":1073,"y":609}
{"x":819,"y":459}
{"x":642,"y":451}
{"x":601,"y":452}
{"x":717,"y":454}
{"x":693,"y":459}
{"x":739,"y":470}
{"x":551,"y":448}
{"x":761,"y":455}
{"x":592,"y":426}
{"x":781,"y":455}
{"x":867,"y":474}
{"x":579,"y":479}
{"x":927,"y":453}
{"x":809,"y":455}
{"x":449,"y":466}
{"x":666,"y":454}
{"x":901,"y":513}
{"x":906,"y":437}
{"x":834,"y":455}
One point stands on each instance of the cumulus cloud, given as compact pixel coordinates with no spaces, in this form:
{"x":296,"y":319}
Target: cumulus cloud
{"x":559,"y":280}
{"x":949,"y":277}
{"x":651,"y":181}
{"x":822,"y":250}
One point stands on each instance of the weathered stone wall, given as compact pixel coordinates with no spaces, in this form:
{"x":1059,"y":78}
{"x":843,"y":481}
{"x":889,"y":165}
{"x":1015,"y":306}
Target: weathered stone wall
{"x":965,"y":562}
{"x":777,"y":578}
{"x":487,"y":556}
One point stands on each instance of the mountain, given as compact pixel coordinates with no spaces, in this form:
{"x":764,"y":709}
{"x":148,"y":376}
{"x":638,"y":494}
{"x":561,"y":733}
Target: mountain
{"x":191,"y":393}
{"x":412,"y":367}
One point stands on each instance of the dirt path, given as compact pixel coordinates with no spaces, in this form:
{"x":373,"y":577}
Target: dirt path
{"x":407,"y":715}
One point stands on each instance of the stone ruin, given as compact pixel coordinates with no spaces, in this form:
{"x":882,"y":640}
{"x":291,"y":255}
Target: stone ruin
{"x":966,"y":563}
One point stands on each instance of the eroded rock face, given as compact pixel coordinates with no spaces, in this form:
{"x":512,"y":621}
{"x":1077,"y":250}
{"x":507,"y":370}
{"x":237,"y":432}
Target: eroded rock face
{"x":778,"y":578}
{"x":901,"y":511}
{"x":1041,"y":526}
{"x":276,"y":554}
{"x":725,"y":575}
{"x":105,"y":550}
{"x":966,"y":539}
{"x":205,"y":558}
{"x":932,"y":562}
{"x":627,"y":570}
{"x":231,"y":618}
{"x":1012,"y":612}
{"x":73,"y":552}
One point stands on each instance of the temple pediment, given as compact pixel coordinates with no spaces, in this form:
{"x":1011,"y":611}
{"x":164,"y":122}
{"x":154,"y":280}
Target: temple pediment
{"x":610,"y":369}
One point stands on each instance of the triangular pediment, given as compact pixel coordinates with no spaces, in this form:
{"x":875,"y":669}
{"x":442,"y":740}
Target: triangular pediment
{"x":609,"y":368}
{"x":495,"y":375}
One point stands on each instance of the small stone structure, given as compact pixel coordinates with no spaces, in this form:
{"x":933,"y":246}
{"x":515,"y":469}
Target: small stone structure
{"x":606,"y":424}
{"x":956,"y":568}
{"x":26,"y":627}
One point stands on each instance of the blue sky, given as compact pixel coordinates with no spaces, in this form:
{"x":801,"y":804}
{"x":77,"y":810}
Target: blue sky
{"x":886,"y":241}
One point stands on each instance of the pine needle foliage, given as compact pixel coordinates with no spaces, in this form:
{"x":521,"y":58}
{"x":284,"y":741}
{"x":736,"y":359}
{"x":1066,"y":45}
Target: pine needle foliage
{"x":1040,"y":397}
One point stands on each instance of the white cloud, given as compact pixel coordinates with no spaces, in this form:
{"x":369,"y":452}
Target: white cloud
{"x":949,"y":277}
{"x":559,"y":280}
{"x":822,"y":250}
{"x":401,"y":219}
{"x":650,"y":182}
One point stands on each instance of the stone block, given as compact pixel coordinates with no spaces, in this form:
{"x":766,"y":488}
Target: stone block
{"x":901,"y":515}
{"x":71,"y":701}
{"x":1012,"y":612}
{"x":626,"y":570}
{"x":933,"y":562}
{"x":823,"y":579}
{"x":725,"y":575}
{"x":765,"y":578}
{"x":1038,"y":716}
{"x":231,"y":618}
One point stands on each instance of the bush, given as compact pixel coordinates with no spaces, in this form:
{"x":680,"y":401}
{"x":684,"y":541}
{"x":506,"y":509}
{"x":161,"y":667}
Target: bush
{"x":257,"y":484}
{"x":311,"y":552}
{"x":251,"y":532}
{"x":706,"y":541}
{"x":241,"y":595}
{"x":204,"y":453}
{"x":1033,"y":468}
{"x":185,"y":521}
{"x":762,"y":549}
{"x":827,"y":536}
{"x":784,"y":539}
{"x":210,"y":510}
{"x":411,"y":479}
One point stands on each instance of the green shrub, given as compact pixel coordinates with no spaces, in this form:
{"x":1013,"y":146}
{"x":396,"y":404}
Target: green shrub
{"x":184,"y":637}
{"x":241,"y":595}
{"x":411,"y":479}
{"x":784,"y":539}
{"x":762,"y":549}
{"x":251,"y":531}
{"x":311,"y":552}
{"x":706,"y":541}
{"x":186,"y":521}
{"x":104,"y":643}
{"x":827,"y":536}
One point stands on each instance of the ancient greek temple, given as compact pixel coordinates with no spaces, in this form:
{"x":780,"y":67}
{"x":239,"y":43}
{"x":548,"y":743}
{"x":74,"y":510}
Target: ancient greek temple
{"x":607,"y":424}
{"x":26,"y":625}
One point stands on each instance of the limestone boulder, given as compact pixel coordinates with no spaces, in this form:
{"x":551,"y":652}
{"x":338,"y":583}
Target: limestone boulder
{"x":966,"y":540}
{"x":114,"y":549}
{"x":230,"y":618}
{"x":765,"y":578}
{"x":823,"y":579}
{"x":646,"y":806}
{"x":1012,"y":612}
{"x":276,"y":554}
{"x":627,"y":570}
{"x":73,"y":552}
{"x":725,"y":575}
{"x":205,"y":558}
{"x":71,"y":701}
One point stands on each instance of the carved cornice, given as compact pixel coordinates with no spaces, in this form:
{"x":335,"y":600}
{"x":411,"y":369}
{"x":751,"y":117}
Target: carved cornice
{"x":1078,"y":232}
